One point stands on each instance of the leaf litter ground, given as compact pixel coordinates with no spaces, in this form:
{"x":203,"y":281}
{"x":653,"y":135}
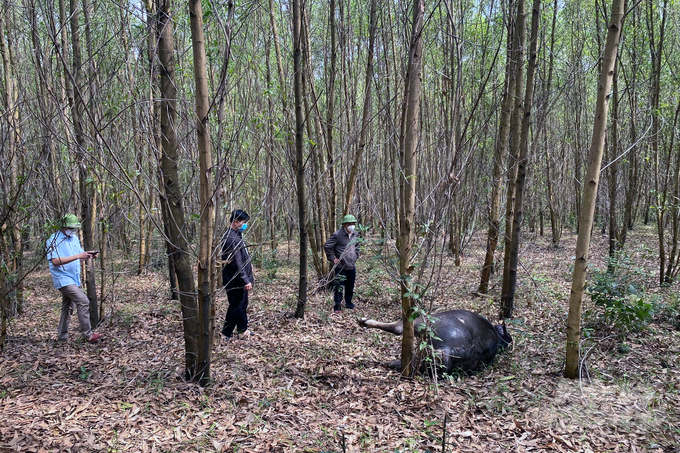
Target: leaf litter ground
{"x":318,"y":384}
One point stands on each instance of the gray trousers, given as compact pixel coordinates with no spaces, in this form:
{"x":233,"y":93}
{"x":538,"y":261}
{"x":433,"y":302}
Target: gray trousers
{"x":71,"y":296}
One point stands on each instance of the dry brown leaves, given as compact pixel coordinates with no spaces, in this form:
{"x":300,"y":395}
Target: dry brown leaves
{"x":311,"y":385}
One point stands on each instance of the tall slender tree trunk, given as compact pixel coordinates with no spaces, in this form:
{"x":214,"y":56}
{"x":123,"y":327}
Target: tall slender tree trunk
{"x":87,"y":199}
{"x":674,"y":255}
{"x":143,"y":208}
{"x":508,"y":296}
{"x":330,"y":119}
{"x":205,"y":257}
{"x":95,"y":112}
{"x":613,"y":168}
{"x":315,"y":225}
{"x":66,"y":100}
{"x":299,"y":157}
{"x":660,"y":188}
{"x":270,"y":153}
{"x":11,"y":203}
{"x":555,"y":221}
{"x":671,"y":207}
{"x":633,"y":183}
{"x":365,"y":119}
{"x":53,"y":180}
{"x":515,"y":131}
{"x":153,"y":112}
{"x":174,"y":208}
{"x":500,"y":152}
{"x":409,"y":137}
{"x":590,"y":189}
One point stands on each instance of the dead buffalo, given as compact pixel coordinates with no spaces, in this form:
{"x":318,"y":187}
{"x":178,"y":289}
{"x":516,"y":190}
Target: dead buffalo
{"x":460,"y":339}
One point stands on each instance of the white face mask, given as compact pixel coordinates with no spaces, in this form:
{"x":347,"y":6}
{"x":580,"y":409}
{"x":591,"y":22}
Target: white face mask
{"x":70,"y":231}
{"x":351,"y":229}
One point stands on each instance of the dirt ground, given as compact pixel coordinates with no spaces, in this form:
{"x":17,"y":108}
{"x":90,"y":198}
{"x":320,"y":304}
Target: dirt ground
{"x":318,"y":384}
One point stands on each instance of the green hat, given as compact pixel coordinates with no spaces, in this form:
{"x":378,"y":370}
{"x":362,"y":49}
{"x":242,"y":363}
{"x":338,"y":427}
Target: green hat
{"x":349,"y":218}
{"x":69,"y":221}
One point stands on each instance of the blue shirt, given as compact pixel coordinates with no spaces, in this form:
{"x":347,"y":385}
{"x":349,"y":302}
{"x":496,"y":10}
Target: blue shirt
{"x":61,"y":246}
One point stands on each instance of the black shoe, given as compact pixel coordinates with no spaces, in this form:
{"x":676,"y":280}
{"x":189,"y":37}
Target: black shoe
{"x":350,"y":306}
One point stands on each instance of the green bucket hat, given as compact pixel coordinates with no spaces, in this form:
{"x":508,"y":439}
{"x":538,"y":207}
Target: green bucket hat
{"x":69,"y":221}
{"x":349,"y":218}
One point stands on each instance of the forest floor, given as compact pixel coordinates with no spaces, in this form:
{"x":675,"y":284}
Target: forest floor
{"x":318,"y":385}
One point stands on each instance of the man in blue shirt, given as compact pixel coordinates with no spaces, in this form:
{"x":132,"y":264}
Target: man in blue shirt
{"x":64,"y":254}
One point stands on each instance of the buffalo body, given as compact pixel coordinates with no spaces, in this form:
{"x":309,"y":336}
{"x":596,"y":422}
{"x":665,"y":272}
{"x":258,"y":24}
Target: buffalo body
{"x":459,"y":339}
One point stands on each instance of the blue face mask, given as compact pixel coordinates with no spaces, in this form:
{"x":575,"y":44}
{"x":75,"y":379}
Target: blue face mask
{"x":243,"y":227}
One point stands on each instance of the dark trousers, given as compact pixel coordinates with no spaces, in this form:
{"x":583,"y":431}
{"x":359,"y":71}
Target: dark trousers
{"x":236,"y":314}
{"x":344,"y":283}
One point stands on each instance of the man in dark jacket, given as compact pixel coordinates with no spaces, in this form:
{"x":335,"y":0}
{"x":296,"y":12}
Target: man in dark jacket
{"x":237,"y":274}
{"x":342,"y":250}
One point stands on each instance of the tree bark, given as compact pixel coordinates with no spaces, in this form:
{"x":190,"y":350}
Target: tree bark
{"x":87,"y":198}
{"x":175,"y":218}
{"x":500,"y":152}
{"x":11,"y":298}
{"x":315,"y":226}
{"x":613,"y":169}
{"x":590,"y":189}
{"x":508,"y":296}
{"x":674,"y":256}
{"x":205,"y":257}
{"x":515,"y":130}
{"x":365,"y":119}
{"x":299,"y":157}
{"x":555,"y":220}
{"x":409,"y":137}
{"x":330,"y":125}
{"x":660,"y":186}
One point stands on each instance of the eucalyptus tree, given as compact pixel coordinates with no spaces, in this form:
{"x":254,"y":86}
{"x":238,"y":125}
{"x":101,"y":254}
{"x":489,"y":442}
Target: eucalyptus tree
{"x":12,"y":151}
{"x":172,"y":196}
{"x":315,"y":225}
{"x":365,"y":117}
{"x":662,"y":156}
{"x":515,"y":132}
{"x":613,"y":153}
{"x":330,"y":113}
{"x":206,"y":262}
{"x":508,"y":295}
{"x":409,"y":135}
{"x":299,"y":158}
{"x":10,"y":241}
{"x":590,"y":189}
{"x":549,"y":161}
{"x":85,"y":192}
{"x":630,"y":68}
{"x":500,"y":149}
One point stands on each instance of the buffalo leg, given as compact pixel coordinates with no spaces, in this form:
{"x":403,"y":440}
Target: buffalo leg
{"x":396,"y":327}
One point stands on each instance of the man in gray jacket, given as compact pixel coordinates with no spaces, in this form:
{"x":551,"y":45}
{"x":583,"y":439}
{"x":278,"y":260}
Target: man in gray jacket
{"x":342,"y":250}
{"x":237,"y":275}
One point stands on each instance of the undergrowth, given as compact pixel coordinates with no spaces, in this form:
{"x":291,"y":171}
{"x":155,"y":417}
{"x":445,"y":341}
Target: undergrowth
{"x":620,"y":300}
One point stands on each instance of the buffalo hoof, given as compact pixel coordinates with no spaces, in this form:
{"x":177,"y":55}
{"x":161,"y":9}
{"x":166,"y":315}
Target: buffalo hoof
{"x":393,"y":365}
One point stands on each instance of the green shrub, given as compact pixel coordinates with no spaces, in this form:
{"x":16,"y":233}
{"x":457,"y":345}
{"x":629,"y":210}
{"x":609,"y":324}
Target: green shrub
{"x":669,"y":310}
{"x":619,"y":297}
{"x":268,"y":262}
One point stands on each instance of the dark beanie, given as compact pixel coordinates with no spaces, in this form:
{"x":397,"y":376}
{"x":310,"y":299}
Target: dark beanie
{"x":238,"y":214}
